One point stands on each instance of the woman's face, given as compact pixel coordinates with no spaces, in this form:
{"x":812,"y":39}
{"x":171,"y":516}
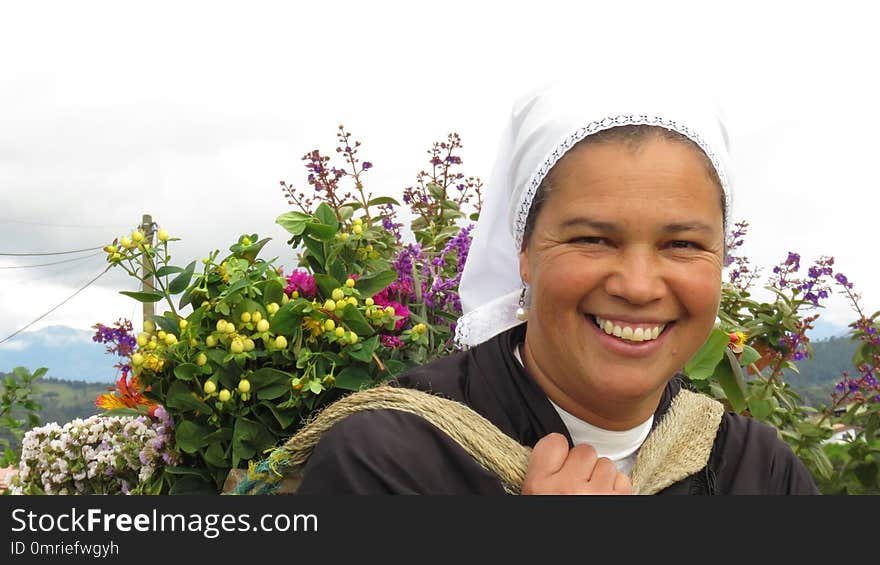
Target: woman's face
{"x":624,"y":268}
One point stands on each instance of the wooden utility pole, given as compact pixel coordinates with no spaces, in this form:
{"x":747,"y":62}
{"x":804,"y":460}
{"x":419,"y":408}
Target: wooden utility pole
{"x":147,"y":228}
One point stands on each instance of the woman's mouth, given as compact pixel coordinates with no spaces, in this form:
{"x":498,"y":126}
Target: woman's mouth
{"x":629,"y":331}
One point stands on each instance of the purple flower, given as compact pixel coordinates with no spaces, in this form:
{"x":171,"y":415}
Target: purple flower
{"x":367,"y":165}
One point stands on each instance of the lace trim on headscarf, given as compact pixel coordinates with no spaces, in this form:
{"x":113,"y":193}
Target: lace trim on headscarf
{"x":561,"y":149}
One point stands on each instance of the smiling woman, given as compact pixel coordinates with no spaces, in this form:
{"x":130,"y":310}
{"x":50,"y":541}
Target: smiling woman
{"x":593,"y":276}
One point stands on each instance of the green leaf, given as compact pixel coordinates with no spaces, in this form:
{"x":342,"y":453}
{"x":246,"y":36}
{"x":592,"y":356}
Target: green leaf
{"x":731,"y":383}
{"x":145,"y":296}
{"x":356,"y":321}
{"x":271,"y":392}
{"x":189,"y":436}
{"x":186,"y":371}
{"x":337,"y":271}
{"x":215,"y":456}
{"x":346,"y":211}
{"x":181,"y":397}
{"x":237,"y":285}
{"x":353,"y":378}
{"x":823,"y":464}
{"x":167,"y":323}
{"x":316,"y":387}
{"x":326,"y":216}
{"x":286,"y":321}
{"x":285,"y":417}
{"x":383,"y":200}
{"x":182,"y":280}
{"x":316,"y":249}
{"x":704,"y":361}
{"x":372,"y":284}
{"x":273,"y":291}
{"x":251,"y":251}
{"x":364,"y":351}
{"x":165,"y":270}
{"x":293,"y":222}
{"x":321,"y":231}
{"x":184,"y":471}
{"x":248,"y":438}
{"x":760,"y":408}
{"x":394,"y":367}
{"x":749,"y":356}
{"x":267,"y":376}
{"x":327,"y":284}
{"x":436,"y":190}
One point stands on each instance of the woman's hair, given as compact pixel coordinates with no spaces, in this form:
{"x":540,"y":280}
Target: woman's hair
{"x":632,"y":136}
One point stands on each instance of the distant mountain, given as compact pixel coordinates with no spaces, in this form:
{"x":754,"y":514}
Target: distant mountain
{"x":68,"y":353}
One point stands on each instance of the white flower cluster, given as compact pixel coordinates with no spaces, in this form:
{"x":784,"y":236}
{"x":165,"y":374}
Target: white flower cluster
{"x":99,"y":455}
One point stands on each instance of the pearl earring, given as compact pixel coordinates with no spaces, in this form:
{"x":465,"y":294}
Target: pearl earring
{"x":522,"y":312}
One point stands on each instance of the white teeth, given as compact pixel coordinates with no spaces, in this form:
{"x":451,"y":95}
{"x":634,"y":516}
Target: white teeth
{"x":627,"y":333}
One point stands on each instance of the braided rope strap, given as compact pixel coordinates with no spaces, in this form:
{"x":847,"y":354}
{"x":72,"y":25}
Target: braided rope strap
{"x":681,"y":443}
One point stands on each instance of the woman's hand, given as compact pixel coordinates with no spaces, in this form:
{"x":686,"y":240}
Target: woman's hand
{"x":554,"y":469}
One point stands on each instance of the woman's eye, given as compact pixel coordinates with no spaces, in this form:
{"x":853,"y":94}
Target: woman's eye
{"x":684,"y":245}
{"x":589,"y":240}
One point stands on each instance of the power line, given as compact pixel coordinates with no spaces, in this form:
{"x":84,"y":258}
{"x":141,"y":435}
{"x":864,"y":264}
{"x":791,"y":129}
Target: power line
{"x":55,"y":253}
{"x":44,"y":224}
{"x":15,"y":333}
{"x":53,"y":263}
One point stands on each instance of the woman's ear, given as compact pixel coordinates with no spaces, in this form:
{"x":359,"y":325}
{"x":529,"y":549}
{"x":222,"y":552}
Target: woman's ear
{"x":524,"y":265}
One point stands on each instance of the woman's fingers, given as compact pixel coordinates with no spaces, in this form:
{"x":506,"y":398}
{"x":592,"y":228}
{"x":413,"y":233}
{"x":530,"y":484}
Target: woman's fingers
{"x":548,"y":456}
{"x":622,"y":484}
{"x":556,"y":469}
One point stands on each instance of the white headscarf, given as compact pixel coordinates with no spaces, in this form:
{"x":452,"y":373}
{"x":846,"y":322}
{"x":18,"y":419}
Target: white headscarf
{"x":543,"y":126}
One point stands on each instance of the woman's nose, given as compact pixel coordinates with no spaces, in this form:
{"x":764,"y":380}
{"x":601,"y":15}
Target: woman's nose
{"x":636,"y":277}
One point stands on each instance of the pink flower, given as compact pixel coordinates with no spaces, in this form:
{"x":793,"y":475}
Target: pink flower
{"x":302,"y":282}
{"x":382,"y":300}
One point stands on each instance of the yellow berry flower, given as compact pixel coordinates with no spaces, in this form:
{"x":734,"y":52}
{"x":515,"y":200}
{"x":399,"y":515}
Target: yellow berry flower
{"x":272,"y":308}
{"x":201,"y":359}
{"x":357,"y":229}
{"x":256,"y":316}
{"x":314,"y":327}
{"x":170,"y":339}
{"x":224,"y":395}
{"x":183,"y":324}
{"x":329,"y":305}
{"x":137,"y":359}
{"x":343,"y":236}
{"x":352,"y":300}
{"x":163,"y":237}
{"x":340,"y":304}
{"x":329,"y":325}
{"x":352,"y":338}
{"x":210,"y":341}
{"x":263,"y":326}
{"x":162,"y":335}
{"x":245,"y":317}
{"x":143,"y":339}
{"x":349,"y":283}
{"x":340,"y":332}
{"x":249,"y":344}
{"x":281,"y":342}
{"x":244,"y":386}
{"x":237,"y":346}
{"x":337,"y":294}
{"x":221,"y":326}
{"x":210,"y":387}
{"x":137,"y":236}
{"x":369,"y":302}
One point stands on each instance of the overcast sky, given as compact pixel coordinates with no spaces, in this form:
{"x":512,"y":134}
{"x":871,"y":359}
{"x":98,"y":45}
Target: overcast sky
{"x":193,"y":112}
